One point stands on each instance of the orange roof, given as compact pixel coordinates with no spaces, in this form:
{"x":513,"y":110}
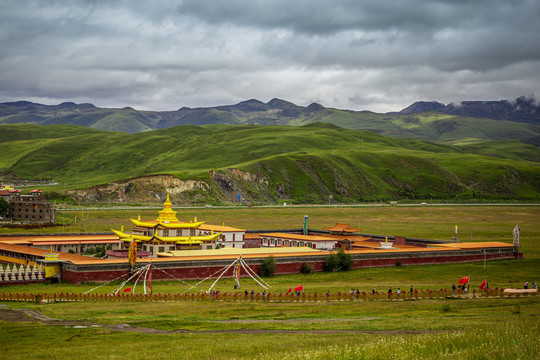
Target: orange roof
{"x":58,"y":239}
{"x":354,"y":238}
{"x":299,"y":237}
{"x":339,"y":227}
{"x":41,"y":243}
{"x":15,"y":242}
{"x":42,"y":252}
{"x":474,"y":245}
{"x":251,"y":236}
{"x":377,"y":245}
{"x":219,"y":228}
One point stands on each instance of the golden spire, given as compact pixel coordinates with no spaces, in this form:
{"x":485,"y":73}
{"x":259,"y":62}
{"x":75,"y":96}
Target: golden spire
{"x":167,"y":214}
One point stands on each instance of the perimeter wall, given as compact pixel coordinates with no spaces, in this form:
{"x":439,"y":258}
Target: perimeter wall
{"x":197,"y":269}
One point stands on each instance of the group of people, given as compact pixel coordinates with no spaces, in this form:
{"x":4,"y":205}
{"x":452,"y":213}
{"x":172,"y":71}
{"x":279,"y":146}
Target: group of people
{"x":462,"y":287}
{"x":398,"y":291}
{"x":526,"y":286}
{"x":353,"y":293}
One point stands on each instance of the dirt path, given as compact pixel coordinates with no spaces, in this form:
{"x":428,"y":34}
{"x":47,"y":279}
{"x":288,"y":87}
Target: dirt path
{"x":26,"y":315}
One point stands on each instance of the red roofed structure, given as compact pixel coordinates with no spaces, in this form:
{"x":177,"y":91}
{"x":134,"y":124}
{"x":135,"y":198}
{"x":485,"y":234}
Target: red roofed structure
{"x":342,"y":229}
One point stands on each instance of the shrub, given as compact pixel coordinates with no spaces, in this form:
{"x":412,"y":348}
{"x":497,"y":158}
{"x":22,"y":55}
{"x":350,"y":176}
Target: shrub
{"x":4,"y":206}
{"x":345,"y":260}
{"x":268,"y":267}
{"x":339,"y":261}
{"x":331,"y":263}
{"x":306,"y":269}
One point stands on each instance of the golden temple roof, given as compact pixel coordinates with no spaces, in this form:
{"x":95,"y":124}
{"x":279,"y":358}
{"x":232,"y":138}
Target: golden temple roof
{"x":167,"y":219}
{"x":167,"y":214}
{"x":168,"y":225}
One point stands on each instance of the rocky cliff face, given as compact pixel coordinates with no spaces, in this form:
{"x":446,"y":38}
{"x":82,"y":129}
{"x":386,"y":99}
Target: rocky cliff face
{"x":142,"y":189}
{"x":224,"y":186}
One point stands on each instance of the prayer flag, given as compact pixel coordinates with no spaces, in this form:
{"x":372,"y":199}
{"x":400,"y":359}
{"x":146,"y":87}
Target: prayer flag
{"x":482,"y":285}
{"x":299,"y":288}
{"x":150,"y":279}
{"x":288,"y":291}
{"x":132,"y":253}
{"x":127,"y":289}
{"x":464,"y":280}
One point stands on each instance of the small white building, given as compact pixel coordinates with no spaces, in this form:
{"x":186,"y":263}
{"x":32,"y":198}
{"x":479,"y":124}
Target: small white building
{"x":230,"y":237}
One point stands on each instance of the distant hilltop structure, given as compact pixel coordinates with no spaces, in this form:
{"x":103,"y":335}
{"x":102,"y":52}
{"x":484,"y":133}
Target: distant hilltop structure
{"x":32,"y":208}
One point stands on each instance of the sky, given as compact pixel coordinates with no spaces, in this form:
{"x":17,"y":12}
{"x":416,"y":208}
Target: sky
{"x":348,"y":54}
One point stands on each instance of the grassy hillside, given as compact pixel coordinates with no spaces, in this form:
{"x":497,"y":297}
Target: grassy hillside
{"x":302,"y":164}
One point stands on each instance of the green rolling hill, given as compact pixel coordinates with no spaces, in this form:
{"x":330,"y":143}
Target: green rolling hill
{"x":425,"y":125}
{"x":265,"y":164}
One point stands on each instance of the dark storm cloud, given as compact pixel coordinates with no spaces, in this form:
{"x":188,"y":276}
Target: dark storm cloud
{"x":379,"y":55}
{"x":449,"y":35}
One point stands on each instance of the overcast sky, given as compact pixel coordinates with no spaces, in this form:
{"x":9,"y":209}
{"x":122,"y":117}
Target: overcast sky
{"x":350,"y":54}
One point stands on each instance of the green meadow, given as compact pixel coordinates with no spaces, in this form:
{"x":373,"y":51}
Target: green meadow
{"x":306,"y":164}
{"x":479,"y":328}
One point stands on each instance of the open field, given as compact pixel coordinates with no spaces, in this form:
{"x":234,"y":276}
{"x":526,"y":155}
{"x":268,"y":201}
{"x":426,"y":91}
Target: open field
{"x":442,"y":328}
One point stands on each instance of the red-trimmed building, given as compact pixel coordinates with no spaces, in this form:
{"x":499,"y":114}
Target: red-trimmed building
{"x":298,"y":240}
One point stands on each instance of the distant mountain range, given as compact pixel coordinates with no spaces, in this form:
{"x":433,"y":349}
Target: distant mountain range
{"x":466,"y":122}
{"x":521,"y":110}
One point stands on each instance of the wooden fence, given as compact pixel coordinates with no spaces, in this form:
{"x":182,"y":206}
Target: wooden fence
{"x":259,"y":297}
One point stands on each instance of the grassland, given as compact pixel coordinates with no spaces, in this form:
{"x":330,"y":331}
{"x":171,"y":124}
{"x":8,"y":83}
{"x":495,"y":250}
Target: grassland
{"x":299,"y":164}
{"x":425,"y":329}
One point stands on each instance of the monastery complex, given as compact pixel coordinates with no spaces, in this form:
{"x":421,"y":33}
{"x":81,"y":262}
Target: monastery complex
{"x":195,"y":250}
